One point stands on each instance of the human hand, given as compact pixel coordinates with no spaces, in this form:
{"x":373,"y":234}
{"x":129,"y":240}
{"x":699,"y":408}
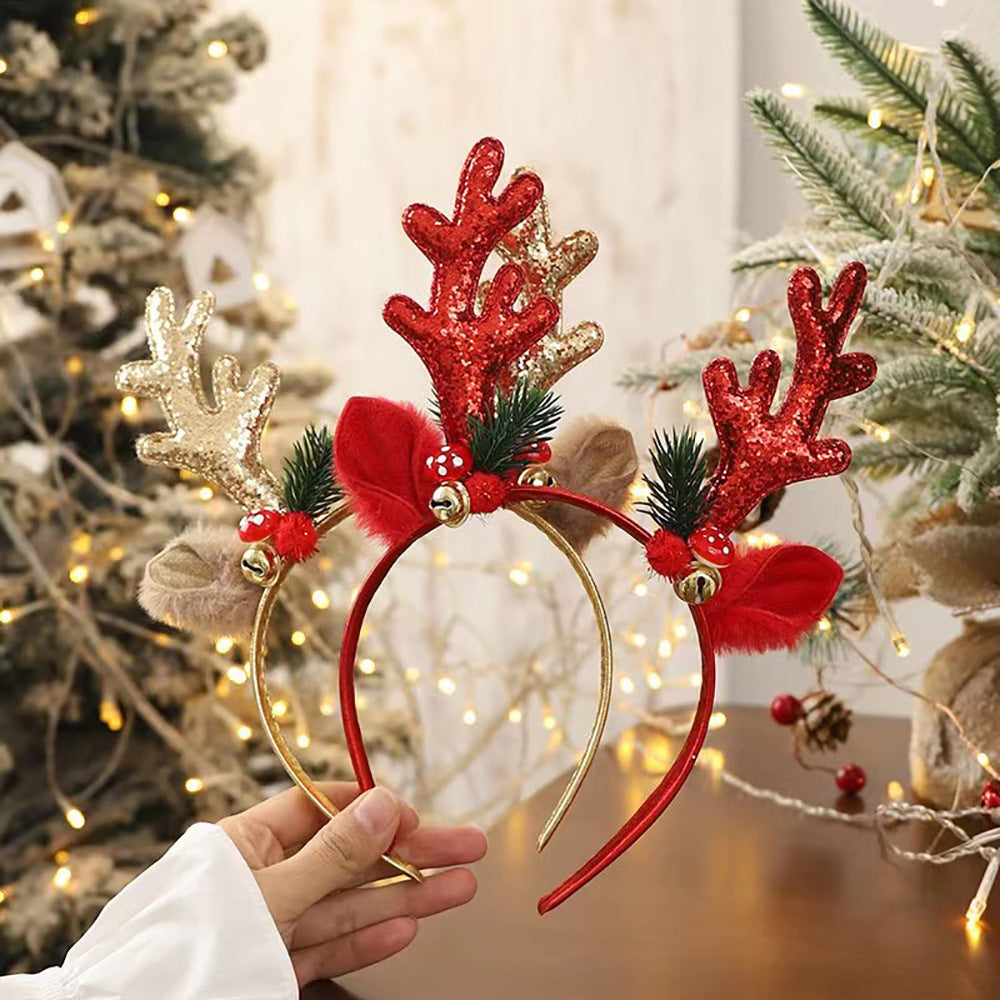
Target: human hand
{"x":313,"y":874}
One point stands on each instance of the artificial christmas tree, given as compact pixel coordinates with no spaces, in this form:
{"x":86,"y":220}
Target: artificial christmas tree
{"x":114,"y":732}
{"x":904,"y":180}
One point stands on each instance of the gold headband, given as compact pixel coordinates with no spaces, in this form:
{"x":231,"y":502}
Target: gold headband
{"x":288,"y":758}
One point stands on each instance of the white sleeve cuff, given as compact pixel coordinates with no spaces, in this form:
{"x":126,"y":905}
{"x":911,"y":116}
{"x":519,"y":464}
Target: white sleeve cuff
{"x":47,"y":985}
{"x":193,"y":926}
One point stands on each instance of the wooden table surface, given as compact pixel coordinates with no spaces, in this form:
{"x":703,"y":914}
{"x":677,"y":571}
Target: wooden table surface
{"x":725,"y":896}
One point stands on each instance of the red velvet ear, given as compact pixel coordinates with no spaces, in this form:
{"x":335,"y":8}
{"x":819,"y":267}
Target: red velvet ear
{"x":378,"y":449}
{"x":771,"y":597}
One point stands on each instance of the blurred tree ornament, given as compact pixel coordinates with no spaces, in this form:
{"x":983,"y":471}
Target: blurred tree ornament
{"x":33,"y":201}
{"x":786,"y":709}
{"x":216,"y":256}
{"x":989,"y":798}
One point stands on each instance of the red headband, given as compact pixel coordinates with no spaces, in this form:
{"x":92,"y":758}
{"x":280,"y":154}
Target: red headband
{"x":752,"y":600}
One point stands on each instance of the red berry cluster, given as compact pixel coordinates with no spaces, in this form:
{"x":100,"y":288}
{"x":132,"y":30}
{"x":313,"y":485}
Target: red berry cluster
{"x":990,"y":797}
{"x":669,"y":554}
{"x":786,"y":710}
{"x":293,"y":535}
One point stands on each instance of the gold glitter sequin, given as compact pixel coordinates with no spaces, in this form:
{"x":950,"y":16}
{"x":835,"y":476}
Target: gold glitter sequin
{"x":556,"y":353}
{"x":220,"y":441}
{"x":548,"y":268}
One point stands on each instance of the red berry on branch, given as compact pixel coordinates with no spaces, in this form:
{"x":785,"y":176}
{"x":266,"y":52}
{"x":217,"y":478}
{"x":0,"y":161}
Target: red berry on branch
{"x":712,"y":545}
{"x":450,"y":461}
{"x":296,"y":537}
{"x":667,"y":553}
{"x":990,"y":798}
{"x":537,"y":454}
{"x":851,"y":778}
{"x":786,"y":709}
{"x":260,"y":524}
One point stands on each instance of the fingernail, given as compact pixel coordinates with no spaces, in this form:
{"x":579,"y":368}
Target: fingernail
{"x":377,"y":810}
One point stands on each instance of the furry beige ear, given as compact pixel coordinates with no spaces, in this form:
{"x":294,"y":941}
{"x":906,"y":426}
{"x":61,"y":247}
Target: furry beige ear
{"x":196,"y":584}
{"x":595,"y":457}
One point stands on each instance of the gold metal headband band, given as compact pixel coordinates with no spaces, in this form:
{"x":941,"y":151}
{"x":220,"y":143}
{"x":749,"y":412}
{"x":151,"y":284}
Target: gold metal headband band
{"x":291,"y":763}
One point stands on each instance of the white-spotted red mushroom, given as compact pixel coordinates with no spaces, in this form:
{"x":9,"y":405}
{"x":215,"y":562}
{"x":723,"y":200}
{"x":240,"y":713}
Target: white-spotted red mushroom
{"x":258,"y":525}
{"x":450,"y":461}
{"x":712,"y":546}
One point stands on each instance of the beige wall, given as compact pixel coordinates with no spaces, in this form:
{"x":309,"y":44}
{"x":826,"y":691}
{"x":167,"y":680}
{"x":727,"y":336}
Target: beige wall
{"x":627,"y":109}
{"x":630,"y":111}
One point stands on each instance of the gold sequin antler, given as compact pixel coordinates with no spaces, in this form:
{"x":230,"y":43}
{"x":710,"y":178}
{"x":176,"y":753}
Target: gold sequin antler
{"x":548,"y":266}
{"x":219,"y":441}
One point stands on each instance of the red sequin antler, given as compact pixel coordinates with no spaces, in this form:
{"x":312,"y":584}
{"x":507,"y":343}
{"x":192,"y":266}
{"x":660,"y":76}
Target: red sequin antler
{"x":463,"y":352}
{"x":759,"y":452}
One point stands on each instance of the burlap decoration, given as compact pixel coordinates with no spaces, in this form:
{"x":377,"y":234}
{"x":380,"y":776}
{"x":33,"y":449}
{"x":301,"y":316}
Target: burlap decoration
{"x":965,"y":676}
{"x":951,"y":557}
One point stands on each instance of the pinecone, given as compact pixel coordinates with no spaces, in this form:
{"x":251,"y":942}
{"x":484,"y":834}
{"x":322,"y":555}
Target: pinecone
{"x":825,"y":722}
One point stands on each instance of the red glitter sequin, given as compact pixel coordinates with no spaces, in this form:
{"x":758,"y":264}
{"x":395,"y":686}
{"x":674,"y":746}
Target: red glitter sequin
{"x":759,"y":452}
{"x":465,"y":352}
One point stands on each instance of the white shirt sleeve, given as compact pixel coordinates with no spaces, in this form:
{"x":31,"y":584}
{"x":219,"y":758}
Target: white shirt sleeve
{"x":193,"y":926}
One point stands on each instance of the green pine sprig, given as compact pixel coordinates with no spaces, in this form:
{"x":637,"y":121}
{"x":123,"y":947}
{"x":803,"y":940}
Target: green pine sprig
{"x":678,"y":493}
{"x":900,"y":81}
{"x":309,"y":482}
{"x":842,"y":190}
{"x":520,"y":419}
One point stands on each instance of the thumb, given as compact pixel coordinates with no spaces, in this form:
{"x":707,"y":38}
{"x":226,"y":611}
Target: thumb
{"x":342,"y":850}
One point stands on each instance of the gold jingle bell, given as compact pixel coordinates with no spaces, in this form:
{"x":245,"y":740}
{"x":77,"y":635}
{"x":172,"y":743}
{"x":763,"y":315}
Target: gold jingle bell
{"x":450,"y":504}
{"x":699,"y":583}
{"x":260,"y":564}
{"x":536,"y":475}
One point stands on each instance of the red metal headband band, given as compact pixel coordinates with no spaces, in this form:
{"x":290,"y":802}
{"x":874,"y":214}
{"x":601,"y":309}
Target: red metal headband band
{"x":656,"y":802}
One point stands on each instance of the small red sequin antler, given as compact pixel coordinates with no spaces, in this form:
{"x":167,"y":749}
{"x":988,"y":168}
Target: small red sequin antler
{"x":759,"y":452}
{"x":463,"y":352}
